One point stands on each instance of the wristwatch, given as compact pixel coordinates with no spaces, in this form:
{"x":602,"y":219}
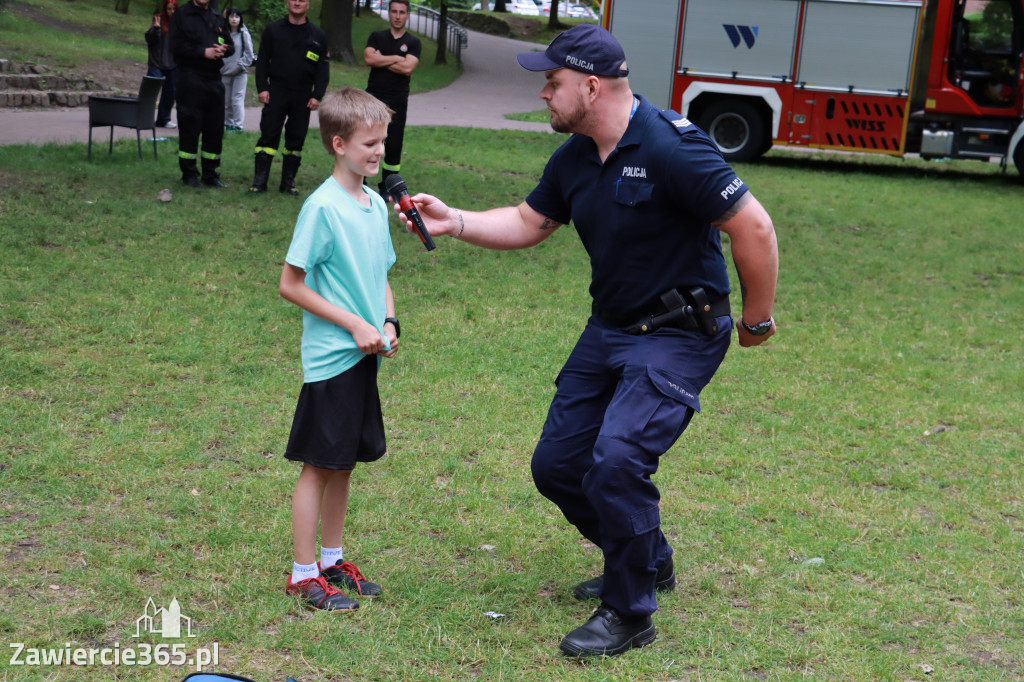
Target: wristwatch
{"x":394,"y":321}
{"x":759,"y":329}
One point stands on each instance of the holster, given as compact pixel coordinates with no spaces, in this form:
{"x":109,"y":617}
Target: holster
{"x":690,"y":311}
{"x":707,"y":315}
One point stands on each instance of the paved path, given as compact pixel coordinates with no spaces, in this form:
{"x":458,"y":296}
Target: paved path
{"x":492,"y":84}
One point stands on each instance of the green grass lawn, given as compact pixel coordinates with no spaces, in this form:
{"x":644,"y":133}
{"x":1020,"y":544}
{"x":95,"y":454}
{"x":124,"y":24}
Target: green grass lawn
{"x":849,"y":505}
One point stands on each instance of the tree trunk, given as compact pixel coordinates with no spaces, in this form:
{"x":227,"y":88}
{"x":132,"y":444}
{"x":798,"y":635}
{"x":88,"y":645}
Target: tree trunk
{"x":121,"y":6}
{"x":483,"y":5}
{"x":442,"y":35}
{"x":361,"y":4}
{"x":499,"y":6}
{"x":336,"y":17}
{"x":553,"y":22}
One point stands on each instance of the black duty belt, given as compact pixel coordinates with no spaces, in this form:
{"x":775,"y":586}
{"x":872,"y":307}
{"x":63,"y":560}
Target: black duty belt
{"x":691,"y":311}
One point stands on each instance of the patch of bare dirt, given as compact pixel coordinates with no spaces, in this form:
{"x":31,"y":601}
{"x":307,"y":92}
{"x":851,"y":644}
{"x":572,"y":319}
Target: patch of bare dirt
{"x":523,"y":27}
{"x":505,"y":26}
{"x":123,"y":75}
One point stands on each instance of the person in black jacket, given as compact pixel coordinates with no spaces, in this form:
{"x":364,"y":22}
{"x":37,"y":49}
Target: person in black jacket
{"x":200,"y":39}
{"x":161,"y":61}
{"x":292,"y":72}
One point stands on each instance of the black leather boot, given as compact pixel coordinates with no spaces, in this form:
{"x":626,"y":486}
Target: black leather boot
{"x":289,"y":169}
{"x":382,"y":186}
{"x":664,"y":581}
{"x":259,"y":179}
{"x":189,"y":172}
{"x":608,"y":633}
{"x":211,"y":174}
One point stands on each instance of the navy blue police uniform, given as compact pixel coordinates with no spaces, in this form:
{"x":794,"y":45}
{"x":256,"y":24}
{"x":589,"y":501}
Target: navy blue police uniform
{"x":622,"y":400}
{"x":200,"y":90}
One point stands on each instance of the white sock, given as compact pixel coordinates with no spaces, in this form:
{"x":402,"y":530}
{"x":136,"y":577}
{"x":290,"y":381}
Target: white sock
{"x":302,"y":572}
{"x":330,"y":556}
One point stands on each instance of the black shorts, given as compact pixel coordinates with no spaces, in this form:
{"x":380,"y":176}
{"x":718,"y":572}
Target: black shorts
{"x":338,"y":421}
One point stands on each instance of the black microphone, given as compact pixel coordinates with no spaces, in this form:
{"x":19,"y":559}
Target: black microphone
{"x":396,"y":188}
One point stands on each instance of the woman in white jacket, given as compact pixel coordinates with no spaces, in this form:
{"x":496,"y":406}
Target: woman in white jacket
{"x":235,"y":72}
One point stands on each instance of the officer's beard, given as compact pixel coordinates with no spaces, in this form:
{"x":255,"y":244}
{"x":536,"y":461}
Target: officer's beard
{"x":569,"y":122}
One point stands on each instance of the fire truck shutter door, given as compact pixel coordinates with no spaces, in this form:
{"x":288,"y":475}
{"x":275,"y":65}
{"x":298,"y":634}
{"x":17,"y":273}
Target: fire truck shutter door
{"x":751,"y":38}
{"x":866,"y":46}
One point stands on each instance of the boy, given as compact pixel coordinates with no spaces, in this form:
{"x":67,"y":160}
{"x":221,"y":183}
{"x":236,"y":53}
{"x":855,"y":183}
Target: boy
{"x":336,"y":271}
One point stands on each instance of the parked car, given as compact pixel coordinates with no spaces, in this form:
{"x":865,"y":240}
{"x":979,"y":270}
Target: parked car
{"x":524,"y":7}
{"x":581,"y":11}
{"x":545,"y":8}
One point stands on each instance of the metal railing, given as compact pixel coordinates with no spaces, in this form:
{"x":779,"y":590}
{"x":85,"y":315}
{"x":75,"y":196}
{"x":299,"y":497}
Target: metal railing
{"x":424,"y":20}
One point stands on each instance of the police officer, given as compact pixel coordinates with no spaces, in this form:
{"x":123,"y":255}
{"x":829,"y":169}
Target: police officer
{"x":649,"y":195}
{"x":200,"y":39}
{"x":392,"y":55}
{"x":292,"y":72}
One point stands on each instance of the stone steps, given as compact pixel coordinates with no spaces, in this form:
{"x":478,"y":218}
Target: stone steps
{"x":30,"y":85}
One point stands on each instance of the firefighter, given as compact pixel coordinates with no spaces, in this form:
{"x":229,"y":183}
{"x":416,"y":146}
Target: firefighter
{"x":292,"y":72}
{"x":200,"y":39}
{"x":392,"y":55}
{"x":648,"y":194}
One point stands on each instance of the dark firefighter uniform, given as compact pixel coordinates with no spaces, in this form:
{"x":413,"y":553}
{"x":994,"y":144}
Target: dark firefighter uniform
{"x":200,"y":90}
{"x":392,"y":89}
{"x":623,"y":398}
{"x":293,"y":66}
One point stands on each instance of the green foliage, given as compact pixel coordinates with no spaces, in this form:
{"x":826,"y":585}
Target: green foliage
{"x":990,"y":29}
{"x":149,"y":372}
{"x":262,"y":12}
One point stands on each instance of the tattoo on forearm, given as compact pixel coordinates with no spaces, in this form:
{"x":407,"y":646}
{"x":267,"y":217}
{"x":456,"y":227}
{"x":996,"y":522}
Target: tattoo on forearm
{"x":732,"y":210}
{"x":549,"y":224}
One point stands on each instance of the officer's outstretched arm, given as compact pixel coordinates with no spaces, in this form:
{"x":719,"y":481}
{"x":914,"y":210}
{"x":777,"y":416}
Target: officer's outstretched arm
{"x":510,"y":227}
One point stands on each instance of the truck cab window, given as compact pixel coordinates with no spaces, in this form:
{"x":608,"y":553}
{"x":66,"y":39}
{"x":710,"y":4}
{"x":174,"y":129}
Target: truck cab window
{"x":986,"y":47}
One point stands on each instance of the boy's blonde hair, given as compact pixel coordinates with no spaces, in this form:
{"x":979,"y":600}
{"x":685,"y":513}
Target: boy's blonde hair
{"x":343,"y":112}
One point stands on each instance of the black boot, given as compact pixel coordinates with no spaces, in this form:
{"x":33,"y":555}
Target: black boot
{"x":211,"y":176}
{"x":382,"y":187}
{"x":189,"y":172}
{"x":664,"y":581}
{"x":259,"y":180}
{"x":289,"y":168}
{"x":609,"y":633}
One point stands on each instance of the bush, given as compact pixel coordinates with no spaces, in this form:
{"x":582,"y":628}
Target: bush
{"x":262,"y":12}
{"x":482,"y":22}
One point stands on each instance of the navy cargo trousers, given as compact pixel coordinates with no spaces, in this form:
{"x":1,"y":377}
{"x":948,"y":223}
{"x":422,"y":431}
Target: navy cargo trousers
{"x":621,"y":402}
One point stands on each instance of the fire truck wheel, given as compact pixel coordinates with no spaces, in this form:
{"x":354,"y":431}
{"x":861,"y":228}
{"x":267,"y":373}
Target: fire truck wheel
{"x":736,"y":127}
{"x":1018,"y":160}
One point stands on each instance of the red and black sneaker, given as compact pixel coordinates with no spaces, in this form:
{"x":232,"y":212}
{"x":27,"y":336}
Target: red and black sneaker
{"x":318,"y":594}
{"x":347,"y":575}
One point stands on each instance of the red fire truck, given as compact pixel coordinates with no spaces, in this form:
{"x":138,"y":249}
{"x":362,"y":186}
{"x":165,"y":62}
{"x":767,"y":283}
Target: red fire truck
{"x":940,"y":78}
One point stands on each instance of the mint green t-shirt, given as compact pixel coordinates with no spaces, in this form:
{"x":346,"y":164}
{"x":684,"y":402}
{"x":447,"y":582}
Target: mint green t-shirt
{"x":346,"y":250}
